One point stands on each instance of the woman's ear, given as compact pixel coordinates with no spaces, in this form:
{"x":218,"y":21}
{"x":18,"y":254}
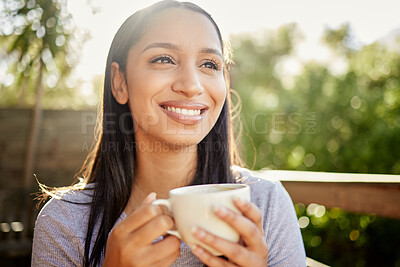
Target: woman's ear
{"x":119,"y":87}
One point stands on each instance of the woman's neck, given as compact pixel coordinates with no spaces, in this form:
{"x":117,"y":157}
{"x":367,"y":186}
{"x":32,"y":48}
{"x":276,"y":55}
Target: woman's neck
{"x":160,"y":168}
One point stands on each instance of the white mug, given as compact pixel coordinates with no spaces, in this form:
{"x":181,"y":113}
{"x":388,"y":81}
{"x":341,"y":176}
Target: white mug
{"x":193,"y":206}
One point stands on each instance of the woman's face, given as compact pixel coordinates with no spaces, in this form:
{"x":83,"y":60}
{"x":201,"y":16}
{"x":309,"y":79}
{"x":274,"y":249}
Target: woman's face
{"x":175,"y":82}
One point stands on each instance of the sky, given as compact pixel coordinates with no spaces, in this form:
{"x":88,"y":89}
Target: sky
{"x":370,"y":20}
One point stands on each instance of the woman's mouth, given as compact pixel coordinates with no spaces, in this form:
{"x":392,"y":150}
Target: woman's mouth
{"x":184,"y":112}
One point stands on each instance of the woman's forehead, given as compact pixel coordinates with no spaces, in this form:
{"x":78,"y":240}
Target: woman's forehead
{"x":183,"y":28}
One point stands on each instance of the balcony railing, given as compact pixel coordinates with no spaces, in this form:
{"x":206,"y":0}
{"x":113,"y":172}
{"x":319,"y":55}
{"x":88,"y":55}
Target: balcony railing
{"x":360,"y":193}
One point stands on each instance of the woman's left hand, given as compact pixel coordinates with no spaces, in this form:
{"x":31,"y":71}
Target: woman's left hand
{"x":252,"y":251}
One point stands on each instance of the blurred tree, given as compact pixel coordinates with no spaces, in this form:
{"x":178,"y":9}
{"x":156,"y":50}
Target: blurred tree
{"x":36,"y":36}
{"x":327,"y":113}
{"x":255,"y":79}
{"x":340,"y":40}
{"x":341,"y":116}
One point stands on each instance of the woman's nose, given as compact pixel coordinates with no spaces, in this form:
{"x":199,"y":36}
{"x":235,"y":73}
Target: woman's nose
{"x":188,"y":83}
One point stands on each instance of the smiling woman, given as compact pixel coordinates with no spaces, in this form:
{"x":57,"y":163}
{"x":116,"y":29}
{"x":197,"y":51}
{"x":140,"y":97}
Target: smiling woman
{"x":174,"y":79}
{"x":165,"y":79}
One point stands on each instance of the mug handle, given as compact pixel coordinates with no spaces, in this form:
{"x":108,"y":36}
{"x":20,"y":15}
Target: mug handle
{"x":166,"y":203}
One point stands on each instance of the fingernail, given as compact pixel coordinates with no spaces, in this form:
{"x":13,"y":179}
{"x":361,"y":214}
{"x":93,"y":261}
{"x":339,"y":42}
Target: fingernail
{"x":215,"y":208}
{"x":238,"y":200}
{"x":222,"y":211}
{"x":150,"y":197}
{"x":198,"y":232}
{"x":197,"y":250}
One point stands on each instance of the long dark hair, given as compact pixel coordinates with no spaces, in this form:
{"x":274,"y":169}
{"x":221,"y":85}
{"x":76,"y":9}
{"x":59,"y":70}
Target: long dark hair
{"x":111,"y":164}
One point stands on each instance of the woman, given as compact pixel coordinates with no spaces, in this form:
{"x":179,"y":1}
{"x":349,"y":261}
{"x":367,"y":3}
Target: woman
{"x":165,"y":124}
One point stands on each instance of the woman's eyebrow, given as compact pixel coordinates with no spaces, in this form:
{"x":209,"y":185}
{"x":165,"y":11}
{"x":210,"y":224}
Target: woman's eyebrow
{"x":211,"y":51}
{"x":162,"y":45}
{"x":175,"y":47}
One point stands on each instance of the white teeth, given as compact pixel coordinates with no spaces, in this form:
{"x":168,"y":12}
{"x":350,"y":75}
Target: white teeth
{"x":184,"y":111}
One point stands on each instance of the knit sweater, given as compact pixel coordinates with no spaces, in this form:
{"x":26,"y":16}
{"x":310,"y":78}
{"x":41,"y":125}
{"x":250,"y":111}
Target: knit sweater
{"x":60,"y":229}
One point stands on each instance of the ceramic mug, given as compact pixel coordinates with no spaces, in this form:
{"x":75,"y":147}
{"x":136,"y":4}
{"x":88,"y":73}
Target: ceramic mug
{"x":192,"y":206}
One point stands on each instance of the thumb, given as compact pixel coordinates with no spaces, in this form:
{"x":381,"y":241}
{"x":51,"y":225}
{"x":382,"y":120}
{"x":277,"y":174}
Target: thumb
{"x":150,"y":198}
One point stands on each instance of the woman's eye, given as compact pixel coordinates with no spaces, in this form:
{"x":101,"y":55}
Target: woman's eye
{"x":211,"y":65}
{"x":163,"y":60}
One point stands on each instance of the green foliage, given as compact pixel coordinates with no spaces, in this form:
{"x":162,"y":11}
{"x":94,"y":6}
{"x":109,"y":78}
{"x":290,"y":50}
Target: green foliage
{"x":32,"y":32}
{"x":323,"y":116}
{"x":324,"y":120}
{"x":339,"y":238}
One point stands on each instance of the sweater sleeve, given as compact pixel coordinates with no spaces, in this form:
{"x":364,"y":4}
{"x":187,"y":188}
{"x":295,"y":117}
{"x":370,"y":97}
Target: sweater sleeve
{"x":56,"y":240}
{"x":283,"y":235}
{"x":282,"y":232}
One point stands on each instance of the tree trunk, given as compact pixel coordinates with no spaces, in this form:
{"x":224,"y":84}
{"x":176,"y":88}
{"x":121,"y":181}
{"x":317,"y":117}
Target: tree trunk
{"x":22,"y":93}
{"x":33,"y":137}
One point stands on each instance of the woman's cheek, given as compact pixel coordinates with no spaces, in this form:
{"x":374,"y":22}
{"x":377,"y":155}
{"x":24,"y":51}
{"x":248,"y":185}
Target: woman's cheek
{"x":221,"y":94}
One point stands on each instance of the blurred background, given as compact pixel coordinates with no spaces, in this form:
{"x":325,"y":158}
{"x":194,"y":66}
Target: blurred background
{"x":318,"y":83}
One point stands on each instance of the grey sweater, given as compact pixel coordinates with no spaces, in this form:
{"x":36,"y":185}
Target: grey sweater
{"x":60,"y":229}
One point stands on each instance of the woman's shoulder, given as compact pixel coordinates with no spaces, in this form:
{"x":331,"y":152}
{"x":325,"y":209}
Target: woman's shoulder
{"x":285,"y":246}
{"x":261,"y":188}
{"x":269,"y":195}
{"x":60,"y":228}
{"x":68,"y":209}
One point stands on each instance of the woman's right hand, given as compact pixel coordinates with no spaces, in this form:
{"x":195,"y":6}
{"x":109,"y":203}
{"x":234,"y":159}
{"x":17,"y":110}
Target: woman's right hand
{"x":130,"y":243}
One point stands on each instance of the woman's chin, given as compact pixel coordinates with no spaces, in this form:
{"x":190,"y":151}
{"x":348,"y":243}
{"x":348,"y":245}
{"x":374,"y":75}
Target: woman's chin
{"x":179,"y":142}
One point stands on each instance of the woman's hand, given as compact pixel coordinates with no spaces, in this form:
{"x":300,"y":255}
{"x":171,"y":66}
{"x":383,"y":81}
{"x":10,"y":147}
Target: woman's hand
{"x":252,"y":251}
{"x":130,"y":242}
